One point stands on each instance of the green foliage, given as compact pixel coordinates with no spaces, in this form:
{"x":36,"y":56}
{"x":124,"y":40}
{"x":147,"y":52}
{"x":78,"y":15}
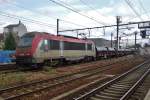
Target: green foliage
{"x":10,"y":43}
{"x":12,"y":78}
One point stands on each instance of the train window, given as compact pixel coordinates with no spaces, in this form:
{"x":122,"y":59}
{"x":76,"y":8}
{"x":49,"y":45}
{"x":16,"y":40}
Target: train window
{"x":53,"y":44}
{"x":89,"y":47}
{"x":74,"y":46}
{"x":25,"y":41}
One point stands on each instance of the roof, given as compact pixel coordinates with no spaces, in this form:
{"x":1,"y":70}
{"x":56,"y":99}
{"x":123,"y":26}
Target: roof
{"x":13,"y":25}
{"x":55,"y":37}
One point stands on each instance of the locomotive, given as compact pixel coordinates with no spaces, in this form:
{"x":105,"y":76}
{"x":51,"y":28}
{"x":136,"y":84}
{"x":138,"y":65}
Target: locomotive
{"x":40,"y":48}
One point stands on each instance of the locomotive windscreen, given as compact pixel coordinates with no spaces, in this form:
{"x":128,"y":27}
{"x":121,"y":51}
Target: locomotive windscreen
{"x":25,"y":41}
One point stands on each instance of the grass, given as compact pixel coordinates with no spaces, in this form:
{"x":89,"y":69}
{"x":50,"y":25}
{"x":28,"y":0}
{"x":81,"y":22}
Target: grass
{"x":14,"y":78}
{"x":49,"y":70}
{"x":11,"y":78}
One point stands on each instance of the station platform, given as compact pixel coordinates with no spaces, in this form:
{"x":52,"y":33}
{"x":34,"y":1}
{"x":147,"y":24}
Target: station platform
{"x":147,"y":97}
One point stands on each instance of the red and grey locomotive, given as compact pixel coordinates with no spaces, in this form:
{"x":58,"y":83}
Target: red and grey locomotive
{"x":37,"y":47}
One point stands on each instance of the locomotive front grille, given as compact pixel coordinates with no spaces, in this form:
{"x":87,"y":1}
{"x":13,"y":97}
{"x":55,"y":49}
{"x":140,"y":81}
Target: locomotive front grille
{"x":22,"y":60}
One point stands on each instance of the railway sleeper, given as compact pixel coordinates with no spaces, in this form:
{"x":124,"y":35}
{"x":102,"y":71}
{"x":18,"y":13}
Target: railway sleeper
{"x":127,"y":81}
{"x":123,"y":84}
{"x":93,"y":98}
{"x":124,"y":80}
{"x":136,"y":97}
{"x":115,"y":89}
{"x":141,"y":90}
{"x":121,"y":87}
{"x":114,"y":92}
{"x":111,"y":94}
{"x":105,"y":97}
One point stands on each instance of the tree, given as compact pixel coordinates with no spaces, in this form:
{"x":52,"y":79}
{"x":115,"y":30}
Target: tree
{"x":10,"y":43}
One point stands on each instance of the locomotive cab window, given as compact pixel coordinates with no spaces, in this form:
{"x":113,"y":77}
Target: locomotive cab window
{"x":25,"y":41}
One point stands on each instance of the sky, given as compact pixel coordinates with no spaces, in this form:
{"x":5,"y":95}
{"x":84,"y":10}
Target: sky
{"x":41,"y":15}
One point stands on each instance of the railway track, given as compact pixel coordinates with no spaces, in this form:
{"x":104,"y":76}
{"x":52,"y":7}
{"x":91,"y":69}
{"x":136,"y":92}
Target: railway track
{"x":25,"y":90}
{"x":8,"y":68}
{"x":131,"y":85}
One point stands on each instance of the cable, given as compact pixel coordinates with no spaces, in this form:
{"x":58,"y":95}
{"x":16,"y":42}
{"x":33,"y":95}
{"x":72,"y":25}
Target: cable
{"x":135,"y":17}
{"x":83,"y":2}
{"x":140,"y":2}
{"x":74,"y":10}
{"x":72,"y":23}
{"x":146,"y":12}
{"x":131,"y":6}
{"x":37,"y":12}
{"x":25,"y":19}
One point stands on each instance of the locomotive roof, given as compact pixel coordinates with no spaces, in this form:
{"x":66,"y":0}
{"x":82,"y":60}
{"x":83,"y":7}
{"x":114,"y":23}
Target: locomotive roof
{"x":55,"y":37}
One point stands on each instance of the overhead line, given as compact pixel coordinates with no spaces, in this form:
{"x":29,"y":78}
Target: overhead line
{"x":140,"y":2}
{"x":92,"y":9}
{"x":69,"y":8}
{"x":130,"y":23}
{"x":134,"y":10}
{"x":71,"y":23}
{"x":83,"y":2}
{"x":37,"y":12}
{"x":25,"y":19}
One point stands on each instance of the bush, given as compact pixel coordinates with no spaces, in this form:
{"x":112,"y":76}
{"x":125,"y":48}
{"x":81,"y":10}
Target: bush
{"x":10,"y":43}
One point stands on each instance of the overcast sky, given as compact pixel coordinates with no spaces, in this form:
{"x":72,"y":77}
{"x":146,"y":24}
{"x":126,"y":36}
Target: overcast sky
{"x":41,"y":15}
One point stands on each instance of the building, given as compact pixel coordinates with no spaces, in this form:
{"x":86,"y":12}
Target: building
{"x":16,"y":29}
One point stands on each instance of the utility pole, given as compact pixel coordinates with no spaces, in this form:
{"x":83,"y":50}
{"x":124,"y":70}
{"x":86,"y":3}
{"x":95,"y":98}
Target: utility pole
{"x":119,"y":42}
{"x":57,"y":26}
{"x":135,"y":39}
{"x":111,"y":39}
{"x":104,"y":30}
{"x":118,"y":21}
{"x":89,"y":32}
{"x":77,"y":33}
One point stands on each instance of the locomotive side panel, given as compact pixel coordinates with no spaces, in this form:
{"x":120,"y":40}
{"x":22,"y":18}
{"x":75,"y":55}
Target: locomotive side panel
{"x":69,"y":50}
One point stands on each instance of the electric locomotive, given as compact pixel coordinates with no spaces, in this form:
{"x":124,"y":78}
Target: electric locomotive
{"x":39,"y":47}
